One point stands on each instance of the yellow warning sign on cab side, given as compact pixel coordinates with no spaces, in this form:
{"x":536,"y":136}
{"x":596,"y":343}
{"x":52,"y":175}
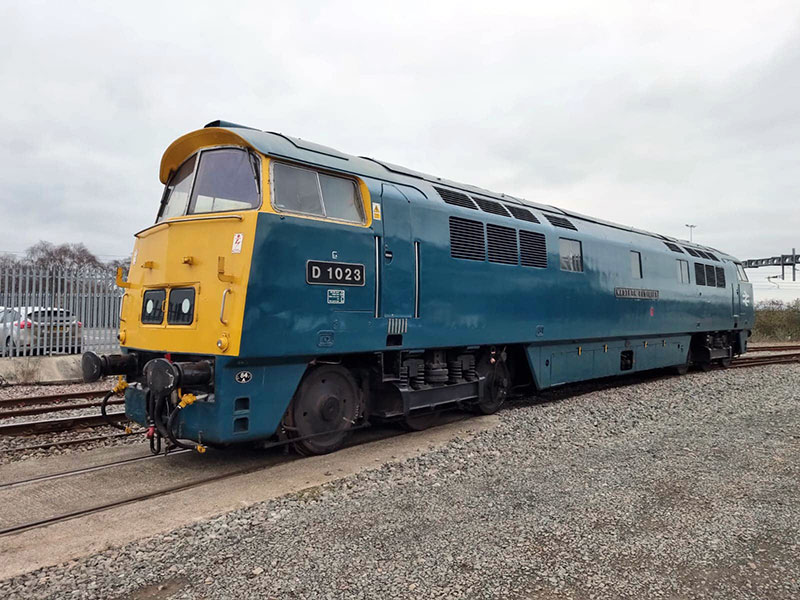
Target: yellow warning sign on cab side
{"x":376,"y":211}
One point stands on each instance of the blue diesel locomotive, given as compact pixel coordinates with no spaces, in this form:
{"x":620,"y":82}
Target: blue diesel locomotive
{"x":289,"y":292}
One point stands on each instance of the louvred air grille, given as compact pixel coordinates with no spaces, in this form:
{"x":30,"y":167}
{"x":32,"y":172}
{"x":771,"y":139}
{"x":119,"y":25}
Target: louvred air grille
{"x":491,"y":206}
{"x":692,"y":252}
{"x":466,"y":239}
{"x":532,"y":249}
{"x":711,"y":275}
{"x":712,"y":257}
{"x":674,"y":247}
{"x":561,"y":222}
{"x":699,"y":274}
{"x":456,"y":198}
{"x":523,"y":214}
{"x":720,"y":277}
{"x":502,"y":243}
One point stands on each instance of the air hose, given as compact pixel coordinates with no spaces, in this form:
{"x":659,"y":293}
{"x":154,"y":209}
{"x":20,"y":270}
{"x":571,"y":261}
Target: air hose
{"x":186,"y":400}
{"x":119,"y":388}
{"x":158,"y":414}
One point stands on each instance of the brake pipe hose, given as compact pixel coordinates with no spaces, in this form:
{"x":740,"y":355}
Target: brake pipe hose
{"x":186,"y":400}
{"x":117,"y":389}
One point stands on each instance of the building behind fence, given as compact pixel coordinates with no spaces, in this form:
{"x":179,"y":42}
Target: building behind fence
{"x":45,"y":312}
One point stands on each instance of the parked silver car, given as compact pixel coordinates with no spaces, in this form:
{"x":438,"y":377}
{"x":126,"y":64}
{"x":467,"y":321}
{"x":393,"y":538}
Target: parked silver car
{"x":39,"y":330}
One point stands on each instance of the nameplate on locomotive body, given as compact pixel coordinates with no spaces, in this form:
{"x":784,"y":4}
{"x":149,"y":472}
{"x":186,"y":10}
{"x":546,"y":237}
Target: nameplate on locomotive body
{"x":320,"y":272}
{"x":636,"y":293}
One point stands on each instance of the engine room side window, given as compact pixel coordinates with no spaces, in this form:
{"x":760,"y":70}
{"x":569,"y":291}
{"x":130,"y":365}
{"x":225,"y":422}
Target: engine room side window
{"x":683,"y":270}
{"x":227,"y":179}
{"x":571,"y":255}
{"x":176,"y":194}
{"x":307,"y":192}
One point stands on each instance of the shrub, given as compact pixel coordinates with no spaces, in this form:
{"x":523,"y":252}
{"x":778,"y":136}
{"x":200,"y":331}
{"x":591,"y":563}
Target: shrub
{"x":777,"y":321}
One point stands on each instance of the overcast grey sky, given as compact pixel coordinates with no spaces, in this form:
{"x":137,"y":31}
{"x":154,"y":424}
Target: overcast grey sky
{"x":650,"y":114}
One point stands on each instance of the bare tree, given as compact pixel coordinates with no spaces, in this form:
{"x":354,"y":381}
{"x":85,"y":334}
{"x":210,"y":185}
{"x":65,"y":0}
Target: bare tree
{"x":77,"y":257}
{"x":8,"y":261}
{"x":122,"y":263}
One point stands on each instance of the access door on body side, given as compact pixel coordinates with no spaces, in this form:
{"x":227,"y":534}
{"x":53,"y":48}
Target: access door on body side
{"x":398,"y":275}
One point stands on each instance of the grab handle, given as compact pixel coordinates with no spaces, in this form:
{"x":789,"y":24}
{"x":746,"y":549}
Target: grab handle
{"x":222,"y":308}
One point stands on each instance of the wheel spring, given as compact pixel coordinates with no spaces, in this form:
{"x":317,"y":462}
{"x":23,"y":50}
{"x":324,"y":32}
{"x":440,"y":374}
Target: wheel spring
{"x":404,"y":378}
{"x":436,"y":373}
{"x":456,"y":371}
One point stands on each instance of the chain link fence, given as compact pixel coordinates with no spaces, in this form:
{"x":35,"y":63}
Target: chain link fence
{"x":47,"y":312}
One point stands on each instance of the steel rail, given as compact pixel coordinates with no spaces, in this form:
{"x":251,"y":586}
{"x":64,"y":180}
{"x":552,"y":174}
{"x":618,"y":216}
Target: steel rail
{"x":60,"y":424}
{"x":41,"y":410}
{"x":52,"y":398}
{"x":155,"y":494}
{"x":757,"y":361}
{"x":775,"y":348}
{"x":62,"y":474}
{"x":75,"y":442}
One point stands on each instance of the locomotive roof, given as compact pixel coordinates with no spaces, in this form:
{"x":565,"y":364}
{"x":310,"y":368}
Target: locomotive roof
{"x":296,"y":149}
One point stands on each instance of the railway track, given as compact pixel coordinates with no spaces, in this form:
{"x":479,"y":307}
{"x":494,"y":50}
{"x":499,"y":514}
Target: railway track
{"x":91,"y":469}
{"x":51,"y":399}
{"x":94,"y":420}
{"x":130,"y":500}
{"x":71,"y":442}
{"x":43,"y":410}
{"x":775,"y":348}
{"x":757,"y":361}
{"x":59,"y":424}
{"x":743,"y":362}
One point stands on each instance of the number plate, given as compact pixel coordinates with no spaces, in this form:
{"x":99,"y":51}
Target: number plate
{"x":320,"y":272}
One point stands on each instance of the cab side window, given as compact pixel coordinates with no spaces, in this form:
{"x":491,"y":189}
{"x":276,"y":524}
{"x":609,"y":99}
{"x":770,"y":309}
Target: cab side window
{"x":740,"y":272}
{"x":341,"y":199}
{"x":306,"y":192}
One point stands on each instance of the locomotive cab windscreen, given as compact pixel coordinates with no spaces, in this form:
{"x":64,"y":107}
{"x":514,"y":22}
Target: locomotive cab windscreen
{"x":216,"y":180}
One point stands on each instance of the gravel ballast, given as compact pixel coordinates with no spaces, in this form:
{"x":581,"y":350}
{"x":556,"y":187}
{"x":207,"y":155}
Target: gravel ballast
{"x":676,"y":487}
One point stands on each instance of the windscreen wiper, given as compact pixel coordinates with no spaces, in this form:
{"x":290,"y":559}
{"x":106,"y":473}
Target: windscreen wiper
{"x":254,"y":167}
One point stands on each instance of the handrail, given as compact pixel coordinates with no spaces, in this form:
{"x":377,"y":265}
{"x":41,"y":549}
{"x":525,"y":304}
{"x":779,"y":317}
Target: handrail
{"x":221,"y":271}
{"x":222,"y":308}
{"x":152,"y":228}
{"x":120,"y":282}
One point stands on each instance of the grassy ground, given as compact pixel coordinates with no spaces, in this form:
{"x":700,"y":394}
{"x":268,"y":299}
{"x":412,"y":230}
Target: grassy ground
{"x":777,"y":321}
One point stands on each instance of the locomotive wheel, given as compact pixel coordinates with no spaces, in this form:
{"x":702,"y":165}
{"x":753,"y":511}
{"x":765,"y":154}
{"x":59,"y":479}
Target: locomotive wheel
{"x":420,"y":422}
{"x":682,"y":369}
{"x":496,"y":385}
{"x":323,"y":410}
{"x":725,"y":363}
{"x":704,"y":366}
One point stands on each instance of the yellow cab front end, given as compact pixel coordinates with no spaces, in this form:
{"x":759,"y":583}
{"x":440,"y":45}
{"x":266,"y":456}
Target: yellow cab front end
{"x":183,"y":309}
{"x":184,"y":296}
{"x":188,"y":277}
